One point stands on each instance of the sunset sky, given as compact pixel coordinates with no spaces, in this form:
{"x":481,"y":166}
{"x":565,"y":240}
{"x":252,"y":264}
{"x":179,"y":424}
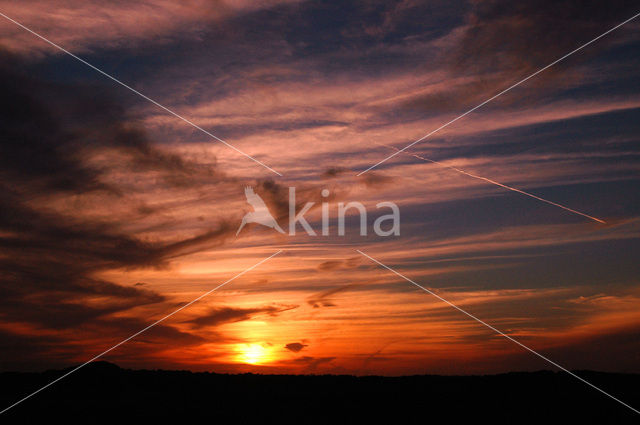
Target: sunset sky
{"x":113,"y":212}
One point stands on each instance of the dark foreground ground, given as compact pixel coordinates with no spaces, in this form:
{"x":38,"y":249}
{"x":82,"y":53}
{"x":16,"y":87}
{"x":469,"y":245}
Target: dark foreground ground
{"x":105,"y":393}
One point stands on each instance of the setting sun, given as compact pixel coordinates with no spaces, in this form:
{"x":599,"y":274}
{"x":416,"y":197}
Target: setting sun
{"x":253,"y":354}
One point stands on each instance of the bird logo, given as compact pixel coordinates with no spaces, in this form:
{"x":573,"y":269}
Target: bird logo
{"x":260,"y":214}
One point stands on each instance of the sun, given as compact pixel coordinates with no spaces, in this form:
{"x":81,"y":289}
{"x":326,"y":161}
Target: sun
{"x":253,"y":354}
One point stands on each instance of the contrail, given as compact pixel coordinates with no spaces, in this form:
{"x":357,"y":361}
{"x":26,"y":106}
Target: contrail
{"x":513,"y":189}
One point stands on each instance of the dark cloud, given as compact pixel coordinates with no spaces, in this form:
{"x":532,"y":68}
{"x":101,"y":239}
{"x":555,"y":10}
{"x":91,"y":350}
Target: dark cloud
{"x":325,"y":298}
{"x":517,"y":37}
{"x":276,"y":196}
{"x":334,"y":172}
{"x":340,"y":264}
{"x":504,"y":41}
{"x":50,"y":129}
{"x":219,"y":315}
{"x":312,"y":363}
{"x":49,"y":257}
{"x":374,"y":179}
{"x":296,"y":347}
{"x":330,"y":265}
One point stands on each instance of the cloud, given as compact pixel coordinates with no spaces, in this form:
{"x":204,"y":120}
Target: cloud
{"x":373,"y":179}
{"x":501,"y":42}
{"x":296,"y":347}
{"x":334,"y":172}
{"x":68,"y":209}
{"x":519,"y":37}
{"x":312,"y":363}
{"x":81,"y":25}
{"x":220,"y":315}
{"x":339,"y":264}
{"x":330,"y":265}
{"x":51,"y":130}
{"x":325,"y":298}
{"x":276,"y":196}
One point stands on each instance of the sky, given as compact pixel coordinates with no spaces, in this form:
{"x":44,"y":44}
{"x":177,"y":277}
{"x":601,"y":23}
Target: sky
{"x":114,"y":212}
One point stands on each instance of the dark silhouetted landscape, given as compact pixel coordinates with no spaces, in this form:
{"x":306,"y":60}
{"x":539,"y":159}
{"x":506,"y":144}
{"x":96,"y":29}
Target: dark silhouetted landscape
{"x":104,"y":392}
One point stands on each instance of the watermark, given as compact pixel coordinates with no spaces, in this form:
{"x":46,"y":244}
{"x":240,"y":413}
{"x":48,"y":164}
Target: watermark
{"x":383,"y":225}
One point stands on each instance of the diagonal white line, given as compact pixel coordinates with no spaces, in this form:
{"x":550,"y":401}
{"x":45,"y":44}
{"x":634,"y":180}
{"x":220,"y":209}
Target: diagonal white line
{"x":139,"y":332}
{"x":501,"y":93}
{"x":499,"y":332}
{"x":450,"y":167}
{"x":139,"y":94}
